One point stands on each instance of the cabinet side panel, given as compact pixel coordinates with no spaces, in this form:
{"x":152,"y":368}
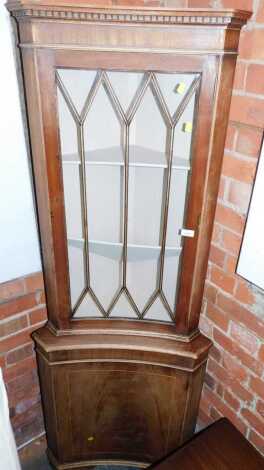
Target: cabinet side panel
{"x":223,"y":95}
{"x":48,"y":401}
{"x":39,"y":83}
{"x":192,"y":403}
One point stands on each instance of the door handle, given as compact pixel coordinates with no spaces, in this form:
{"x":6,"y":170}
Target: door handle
{"x":185,"y":232}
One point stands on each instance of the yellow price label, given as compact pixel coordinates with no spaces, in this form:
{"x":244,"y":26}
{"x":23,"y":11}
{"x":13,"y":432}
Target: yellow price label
{"x":187,"y":127}
{"x":180,"y":88}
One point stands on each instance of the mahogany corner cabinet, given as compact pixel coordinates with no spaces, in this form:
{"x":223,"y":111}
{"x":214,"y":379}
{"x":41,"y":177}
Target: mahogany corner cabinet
{"x":127,"y":110}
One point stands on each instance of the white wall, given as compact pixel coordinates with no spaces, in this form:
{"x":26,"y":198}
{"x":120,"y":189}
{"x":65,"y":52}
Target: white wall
{"x":251,"y":261}
{"x":19,"y":251}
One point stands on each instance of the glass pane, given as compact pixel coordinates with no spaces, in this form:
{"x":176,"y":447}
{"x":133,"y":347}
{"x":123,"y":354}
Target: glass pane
{"x":93,"y":148}
{"x":178,"y":189}
{"x":123,"y":308}
{"x":183,"y":134}
{"x":174,"y":88}
{"x":148,"y":133}
{"x":88,"y":308}
{"x":106,"y":272}
{"x":170,"y":276}
{"x":142,"y":272}
{"x":72,"y":200}
{"x":76,"y":271}
{"x":157,"y":312}
{"x":102,"y":131}
{"x":104,"y":187}
{"x":68,"y":130}
{"x":78,"y":84}
{"x":125,"y":85}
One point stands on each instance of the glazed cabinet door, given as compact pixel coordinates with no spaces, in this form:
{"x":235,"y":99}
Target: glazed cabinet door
{"x":127,"y":143}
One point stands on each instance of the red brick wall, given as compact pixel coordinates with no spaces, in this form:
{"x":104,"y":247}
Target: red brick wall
{"x":233,"y":312}
{"x":22,"y":310}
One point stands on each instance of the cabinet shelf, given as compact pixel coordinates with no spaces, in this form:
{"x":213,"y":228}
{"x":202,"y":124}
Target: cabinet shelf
{"x":114,"y":250}
{"x":138,"y":157}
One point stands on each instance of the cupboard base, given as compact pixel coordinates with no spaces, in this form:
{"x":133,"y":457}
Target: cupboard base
{"x":118,"y":398}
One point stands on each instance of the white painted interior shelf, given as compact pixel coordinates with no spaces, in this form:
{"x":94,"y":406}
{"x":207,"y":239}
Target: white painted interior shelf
{"x":138,"y":157}
{"x":114,"y":250}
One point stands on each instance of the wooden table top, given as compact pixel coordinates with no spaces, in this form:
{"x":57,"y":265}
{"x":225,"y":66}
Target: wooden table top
{"x":219,"y":447}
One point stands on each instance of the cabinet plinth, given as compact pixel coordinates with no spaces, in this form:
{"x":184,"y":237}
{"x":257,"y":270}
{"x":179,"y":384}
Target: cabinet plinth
{"x":127,"y":111}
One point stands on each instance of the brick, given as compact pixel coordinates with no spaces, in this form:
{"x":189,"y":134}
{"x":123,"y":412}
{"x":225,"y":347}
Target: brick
{"x":255,"y":79}
{"x":214,"y":413}
{"x":218,"y":317}
{"x":239,"y":169}
{"x":222,"y":186}
{"x":210,"y":292}
{"x":29,"y":431}
{"x":34,"y":282}
{"x":256,"y":422}
{"x":15,"y":341}
{"x":217,"y":234}
{"x":218,"y":372}
{"x":240,"y":75}
{"x":257,"y":386}
{"x":231,"y":400}
{"x":245,"y":339}
{"x":19,"y":354}
{"x":215,"y":353}
{"x":220,"y":390}
{"x":209,"y":380}
{"x":261,"y":353}
{"x":260,"y":12}
{"x":11,"y":289}
{"x":222,"y":279}
{"x":244,"y":293}
{"x":23,"y":387}
{"x":231,"y":136}
{"x":239,"y":195}
{"x":21,"y":368}
{"x":260,"y":408}
{"x":2,"y":362}
{"x":243,"y":4}
{"x":257,"y":440}
{"x":206,"y":326}
{"x":224,"y":410}
{"x":205,"y":403}
{"x":241,"y":314}
{"x":235,"y":350}
{"x":203,"y":417}
{"x":38,"y":316}
{"x":249,"y":141}
{"x":197,"y":3}
{"x":251,"y":44}
{"x":42,"y":297}
{"x":12,"y":326}
{"x":231,"y":242}
{"x":241,"y":392}
{"x":28,"y":415}
{"x":231,"y":264}
{"x":217,"y":256}
{"x":247,"y":109}
{"x":229,"y":218}
{"x":26,"y":404}
{"x":234,"y":368}
{"x":20,"y":304}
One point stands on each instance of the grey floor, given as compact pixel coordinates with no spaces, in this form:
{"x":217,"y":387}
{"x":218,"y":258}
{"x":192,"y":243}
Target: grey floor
{"x":33,"y":457}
